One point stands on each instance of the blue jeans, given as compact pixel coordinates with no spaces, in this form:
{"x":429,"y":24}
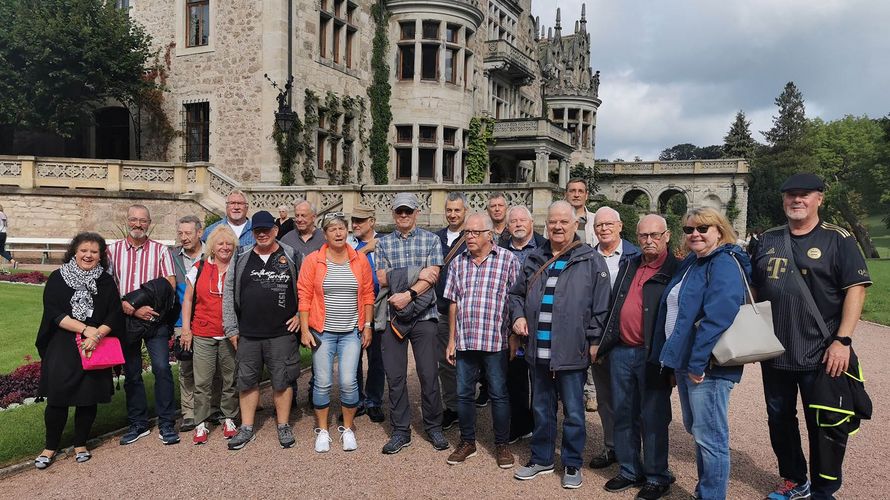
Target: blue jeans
{"x":137,"y":403}
{"x":780,"y":389}
{"x":706,"y":416}
{"x":494,"y":364}
{"x":371,"y":388}
{"x":348,"y":348}
{"x":641,"y":413}
{"x":570,"y":385}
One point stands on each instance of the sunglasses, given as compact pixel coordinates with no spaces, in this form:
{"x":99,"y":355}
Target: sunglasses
{"x":332,"y":216}
{"x":701,"y":229}
{"x":404,"y":211}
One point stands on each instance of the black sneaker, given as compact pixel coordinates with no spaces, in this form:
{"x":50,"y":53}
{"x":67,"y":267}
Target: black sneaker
{"x":652,"y":491}
{"x":449,"y":418}
{"x":361,"y":410}
{"x":375,"y":413}
{"x":167,"y":433}
{"x":482,"y":399}
{"x":603,"y":461}
{"x":132,"y":435}
{"x":188,"y":425}
{"x":621,"y":483}
{"x":439,"y":441}
{"x":396,"y":443}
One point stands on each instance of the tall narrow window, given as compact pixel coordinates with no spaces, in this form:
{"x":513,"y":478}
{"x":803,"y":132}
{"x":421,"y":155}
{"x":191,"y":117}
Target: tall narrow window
{"x":431,"y":30}
{"x":319,"y":148}
{"x":448,"y":165}
{"x":337,"y":30}
{"x":323,"y":35}
{"x":406,"y":62}
{"x":197,"y":27}
{"x":451,"y":65}
{"x":426,"y":167}
{"x":451,"y":33}
{"x":429,"y":64}
{"x":403,"y":163}
{"x":197,"y":131}
{"x":350,"y":36}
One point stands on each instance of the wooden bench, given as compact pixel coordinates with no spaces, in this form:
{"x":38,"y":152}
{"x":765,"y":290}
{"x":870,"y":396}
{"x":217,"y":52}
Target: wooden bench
{"x":47,"y":246}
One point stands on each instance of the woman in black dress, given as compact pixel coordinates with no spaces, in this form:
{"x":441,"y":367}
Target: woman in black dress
{"x":80,"y":299}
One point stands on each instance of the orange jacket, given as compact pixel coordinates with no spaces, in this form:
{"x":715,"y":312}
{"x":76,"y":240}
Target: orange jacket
{"x":311,"y":290}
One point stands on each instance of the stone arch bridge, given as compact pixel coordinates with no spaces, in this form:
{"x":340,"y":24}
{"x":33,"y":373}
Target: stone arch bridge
{"x":710,"y":183}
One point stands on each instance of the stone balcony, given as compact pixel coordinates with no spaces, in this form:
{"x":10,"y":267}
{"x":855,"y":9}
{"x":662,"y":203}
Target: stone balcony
{"x":697,"y":167}
{"x":502,"y":57}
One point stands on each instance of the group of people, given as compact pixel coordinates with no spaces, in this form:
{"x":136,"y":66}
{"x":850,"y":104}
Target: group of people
{"x":577,"y":316}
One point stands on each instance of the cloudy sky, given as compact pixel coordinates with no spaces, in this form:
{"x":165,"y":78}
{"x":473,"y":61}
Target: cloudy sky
{"x":676,"y":71}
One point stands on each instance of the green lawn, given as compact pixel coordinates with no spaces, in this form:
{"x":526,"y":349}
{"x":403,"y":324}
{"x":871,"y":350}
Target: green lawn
{"x":877,"y":298}
{"x":19,"y":319}
{"x":880,"y":235}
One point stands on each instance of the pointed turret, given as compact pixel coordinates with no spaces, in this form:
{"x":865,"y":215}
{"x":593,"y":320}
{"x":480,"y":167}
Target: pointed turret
{"x":577,"y":26}
{"x":583,"y":18}
{"x":558,"y":27}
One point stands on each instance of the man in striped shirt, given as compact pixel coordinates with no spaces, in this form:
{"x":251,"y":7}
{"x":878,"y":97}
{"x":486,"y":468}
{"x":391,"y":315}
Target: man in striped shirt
{"x":476,"y":287}
{"x":133,"y":261}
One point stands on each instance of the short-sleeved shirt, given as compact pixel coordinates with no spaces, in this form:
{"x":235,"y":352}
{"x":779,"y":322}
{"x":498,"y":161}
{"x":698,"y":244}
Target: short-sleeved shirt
{"x":131,"y":266}
{"x":267,"y":293}
{"x":830,"y":262}
{"x":480,"y":292}
{"x":419,"y":248}
{"x":305,"y":247}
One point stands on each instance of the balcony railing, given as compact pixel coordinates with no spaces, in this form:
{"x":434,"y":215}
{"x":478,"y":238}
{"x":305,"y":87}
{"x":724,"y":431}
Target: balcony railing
{"x":530,"y":127}
{"x":502,"y":56}
{"x":722,"y":166}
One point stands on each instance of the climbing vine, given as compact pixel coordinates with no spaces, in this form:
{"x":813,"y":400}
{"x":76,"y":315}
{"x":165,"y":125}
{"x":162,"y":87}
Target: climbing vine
{"x":288,"y":145}
{"x":310,"y":108}
{"x":480,"y":137}
{"x":380,"y":92}
{"x":150,"y":101}
{"x":732,"y":208}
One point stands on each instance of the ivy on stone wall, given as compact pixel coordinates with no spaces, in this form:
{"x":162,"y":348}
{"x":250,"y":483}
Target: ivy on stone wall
{"x":310,"y":109}
{"x":380,"y":92}
{"x":288,"y":146}
{"x":480,"y":137}
{"x":732,"y":207}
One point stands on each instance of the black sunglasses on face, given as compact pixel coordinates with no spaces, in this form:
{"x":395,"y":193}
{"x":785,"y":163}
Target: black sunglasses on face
{"x":701,"y":229}
{"x":404,"y":211}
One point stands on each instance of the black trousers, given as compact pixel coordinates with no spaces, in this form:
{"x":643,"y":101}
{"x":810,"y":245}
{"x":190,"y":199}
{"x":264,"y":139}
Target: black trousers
{"x":424,"y":344}
{"x":55,"y":418}
{"x":519,"y":390}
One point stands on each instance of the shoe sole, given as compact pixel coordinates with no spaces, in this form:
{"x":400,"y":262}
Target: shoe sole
{"x":242,"y":445}
{"x":456,"y":462}
{"x":450,"y":426}
{"x":287,"y":445}
{"x":397,"y":450}
{"x":519,"y":438}
{"x":506,"y":466}
{"x":663,"y":495}
{"x":536,"y":474}
{"x":481,"y":405}
{"x":618,"y":490}
{"x":572,"y":486}
{"x":137,"y":438}
{"x":167,"y":443}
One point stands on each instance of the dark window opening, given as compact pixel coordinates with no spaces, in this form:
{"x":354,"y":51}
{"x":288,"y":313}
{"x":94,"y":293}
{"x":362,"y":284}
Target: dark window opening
{"x":429,"y":64}
{"x":197,"y":131}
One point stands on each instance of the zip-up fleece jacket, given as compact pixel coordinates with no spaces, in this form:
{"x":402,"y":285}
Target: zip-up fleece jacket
{"x":232,"y":287}
{"x":710,"y":298}
{"x":311,"y":285}
{"x":580,"y":305}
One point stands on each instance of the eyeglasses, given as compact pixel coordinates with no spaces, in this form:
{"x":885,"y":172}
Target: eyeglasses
{"x":236,"y":203}
{"x":134,"y":220}
{"x":701,"y":229}
{"x":605,"y":225}
{"x":654,"y":236}
{"x":404,"y":211}
{"x":474,"y":233}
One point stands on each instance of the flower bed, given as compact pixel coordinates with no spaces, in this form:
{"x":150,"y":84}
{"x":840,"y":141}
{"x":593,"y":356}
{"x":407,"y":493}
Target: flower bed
{"x":20,"y":384}
{"x":31,"y":278}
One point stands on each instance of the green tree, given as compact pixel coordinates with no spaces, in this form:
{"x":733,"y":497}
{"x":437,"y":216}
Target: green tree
{"x":790,"y":125}
{"x":738,"y":143}
{"x":60,"y":58}
{"x":688,"y":151}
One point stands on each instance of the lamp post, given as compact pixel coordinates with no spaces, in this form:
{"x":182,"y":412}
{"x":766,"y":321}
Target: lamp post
{"x":285,"y":116}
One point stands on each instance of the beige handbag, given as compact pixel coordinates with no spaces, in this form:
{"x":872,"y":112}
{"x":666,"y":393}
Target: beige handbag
{"x":750,"y":338}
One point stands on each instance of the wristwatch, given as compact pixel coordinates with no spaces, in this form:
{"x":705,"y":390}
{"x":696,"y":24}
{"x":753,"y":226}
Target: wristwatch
{"x":847,"y":341}
{"x":413,"y":293}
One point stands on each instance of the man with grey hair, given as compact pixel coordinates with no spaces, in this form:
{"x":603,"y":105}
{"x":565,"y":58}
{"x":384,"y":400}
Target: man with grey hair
{"x":453,"y":243}
{"x":641,"y":390}
{"x":306,"y":238}
{"x":236,"y":217}
{"x":598,"y":390}
{"x":559,"y":302}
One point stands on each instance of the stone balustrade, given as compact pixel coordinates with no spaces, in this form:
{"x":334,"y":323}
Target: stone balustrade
{"x":721,"y":166}
{"x":526,"y":127}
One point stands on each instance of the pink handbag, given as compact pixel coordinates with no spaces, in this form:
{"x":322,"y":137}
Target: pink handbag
{"x":107,"y":354}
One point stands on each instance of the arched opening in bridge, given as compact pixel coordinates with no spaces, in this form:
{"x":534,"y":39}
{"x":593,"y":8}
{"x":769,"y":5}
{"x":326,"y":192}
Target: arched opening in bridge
{"x":673,"y":201}
{"x":637,"y":198}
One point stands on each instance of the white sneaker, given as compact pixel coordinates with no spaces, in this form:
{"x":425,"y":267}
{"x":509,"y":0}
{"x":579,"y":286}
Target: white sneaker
{"x":347,"y":437}
{"x":322,"y":441}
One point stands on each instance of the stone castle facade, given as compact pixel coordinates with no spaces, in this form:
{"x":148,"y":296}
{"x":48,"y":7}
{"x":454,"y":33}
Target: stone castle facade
{"x":450,"y":61}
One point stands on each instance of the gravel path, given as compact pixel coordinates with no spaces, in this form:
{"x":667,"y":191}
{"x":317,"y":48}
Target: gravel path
{"x":149,"y":469}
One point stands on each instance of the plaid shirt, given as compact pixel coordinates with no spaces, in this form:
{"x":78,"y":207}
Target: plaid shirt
{"x":480,"y":291}
{"x":420,"y":248}
{"x":132,"y":266}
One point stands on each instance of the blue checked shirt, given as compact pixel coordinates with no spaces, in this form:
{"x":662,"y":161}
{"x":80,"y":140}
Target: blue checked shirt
{"x":420,"y":248}
{"x":480,"y":291}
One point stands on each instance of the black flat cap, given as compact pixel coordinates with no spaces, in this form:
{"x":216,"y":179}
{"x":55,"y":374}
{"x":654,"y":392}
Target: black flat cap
{"x":803,"y":182}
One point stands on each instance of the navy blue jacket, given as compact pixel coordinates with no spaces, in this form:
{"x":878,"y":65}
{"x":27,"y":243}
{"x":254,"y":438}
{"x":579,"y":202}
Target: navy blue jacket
{"x":629,"y":251}
{"x":441,"y":302}
{"x":710,"y":297}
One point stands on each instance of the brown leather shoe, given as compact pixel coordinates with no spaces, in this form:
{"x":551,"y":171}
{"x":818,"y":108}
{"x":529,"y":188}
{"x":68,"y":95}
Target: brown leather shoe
{"x":464,"y":451}
{"x":504,"y":456}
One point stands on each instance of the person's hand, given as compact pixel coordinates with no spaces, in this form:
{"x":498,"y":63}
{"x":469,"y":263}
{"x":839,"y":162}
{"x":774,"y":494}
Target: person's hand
{"x":128,"y":308}
{"x":367,"y":332}
{"x":307,"y":339}
{"x":450,"y":353}
{"x":696,"y":379}
{"x":513,"y":343}
{"x":836,"y":359}
{"x":145,"y":313}
{"x":672,"y":379}
{"x":400,"y":300}
{"x":91,"y":332}
{"x":293,"y":324}
{"x":185,"y":340}
{"x":520,"y":327}
{"x":428,"y":274}
{"x":234,"y":340}
{"x":369,"y":246}
{"x":593,"y":350}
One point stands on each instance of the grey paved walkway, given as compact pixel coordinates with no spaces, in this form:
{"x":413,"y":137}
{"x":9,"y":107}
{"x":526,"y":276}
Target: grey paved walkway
{"x":147,"y":469}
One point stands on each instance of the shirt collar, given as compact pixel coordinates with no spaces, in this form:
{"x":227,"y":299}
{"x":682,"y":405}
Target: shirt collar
{"x":532,"y":243}
{"x":657,"y":263}
{"x":618,"y":250}
{"x":200,"y":254}
{"x":411,"y":233}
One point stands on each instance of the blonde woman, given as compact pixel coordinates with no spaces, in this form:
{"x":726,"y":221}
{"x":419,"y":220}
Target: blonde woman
{"x":699,"y":304}
{"x":202,"y":332}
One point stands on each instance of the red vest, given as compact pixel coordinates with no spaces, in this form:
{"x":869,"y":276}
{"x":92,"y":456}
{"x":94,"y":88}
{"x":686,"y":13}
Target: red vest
{"x":207,"y":320}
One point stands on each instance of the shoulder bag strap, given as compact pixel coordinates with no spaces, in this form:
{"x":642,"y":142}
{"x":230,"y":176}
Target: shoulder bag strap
{"x":804,"y":289}
{"x":534,"y":277}
{"x":178,"y":262}
{"x":454,"y":248}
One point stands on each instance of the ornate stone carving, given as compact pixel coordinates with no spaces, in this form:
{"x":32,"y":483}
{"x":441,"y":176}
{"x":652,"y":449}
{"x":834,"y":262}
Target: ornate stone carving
{"x":329,"y":200}
{"x":220,"y":186}
{"x":478,"y":200}
{"x":10,"y":168}
{"x":381,"y":202}
{"x":147,"y":174}
{"x":71,"y":171}
{"x":191,"y":175}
